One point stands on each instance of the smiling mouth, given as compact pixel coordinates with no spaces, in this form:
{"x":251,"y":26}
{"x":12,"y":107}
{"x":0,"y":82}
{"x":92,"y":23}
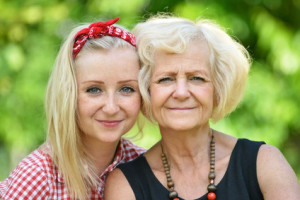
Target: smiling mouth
{"x":110,"y":123}
{"x":181,"y":108}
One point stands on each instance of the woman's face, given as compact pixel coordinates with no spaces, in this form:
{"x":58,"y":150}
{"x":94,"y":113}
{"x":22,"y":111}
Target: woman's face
{"x":181,"y":90}
{"x":108,"y":94}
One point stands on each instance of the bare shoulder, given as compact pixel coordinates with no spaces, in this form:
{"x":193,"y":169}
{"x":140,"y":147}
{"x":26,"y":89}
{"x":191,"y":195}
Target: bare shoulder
{"x":117,"y":187}
{"x":276,"y":178}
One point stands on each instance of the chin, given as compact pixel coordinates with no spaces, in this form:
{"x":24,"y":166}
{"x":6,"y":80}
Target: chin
{"x":108,"y":138}
{"x":182,"y":124}
{"x":183,"y":129}
{"x":179,"y":127}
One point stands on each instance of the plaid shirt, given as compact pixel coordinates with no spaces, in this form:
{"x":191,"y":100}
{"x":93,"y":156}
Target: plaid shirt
{"x":36,"y":177}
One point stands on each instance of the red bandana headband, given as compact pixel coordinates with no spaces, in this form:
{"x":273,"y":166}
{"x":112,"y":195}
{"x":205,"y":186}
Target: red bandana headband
{"x":98,"y":30}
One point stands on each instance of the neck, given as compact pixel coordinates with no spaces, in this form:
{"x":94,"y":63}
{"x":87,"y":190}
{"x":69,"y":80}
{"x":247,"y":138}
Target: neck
{"x":102,"y":153}
{"x":186,"y":148}
{"x":211,"y":186}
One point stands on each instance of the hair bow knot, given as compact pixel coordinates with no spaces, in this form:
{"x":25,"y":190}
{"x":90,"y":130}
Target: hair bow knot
{"x":98,"y":30}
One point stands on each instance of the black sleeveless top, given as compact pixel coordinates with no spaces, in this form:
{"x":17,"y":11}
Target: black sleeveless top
{"x":239,"y":182}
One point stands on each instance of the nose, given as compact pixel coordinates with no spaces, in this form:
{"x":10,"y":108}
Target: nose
{"x":182,"y":90}
{"x":111,"y":105}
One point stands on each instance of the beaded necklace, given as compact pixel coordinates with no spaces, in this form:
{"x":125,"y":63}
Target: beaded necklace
{"x":173,"y":195}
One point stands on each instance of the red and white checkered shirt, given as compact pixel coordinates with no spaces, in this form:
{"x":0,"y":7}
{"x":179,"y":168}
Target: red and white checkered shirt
{"x":36,"y":177}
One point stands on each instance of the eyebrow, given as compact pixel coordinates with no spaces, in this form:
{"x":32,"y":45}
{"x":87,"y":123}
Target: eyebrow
{"x":129,"y":80}
{"x":101,"y":82}
{"x":201,"y":71}
{"x":92,"y":81}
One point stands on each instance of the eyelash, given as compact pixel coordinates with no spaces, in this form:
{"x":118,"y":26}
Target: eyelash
{"x":197,"y":78}
{"x":194,"y":78}
{"x":90,"y":90}
{"x":165,"y":79}
{"x":126,"y":88}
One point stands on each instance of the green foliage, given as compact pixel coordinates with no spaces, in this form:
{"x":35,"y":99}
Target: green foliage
{"x":31,"y":32}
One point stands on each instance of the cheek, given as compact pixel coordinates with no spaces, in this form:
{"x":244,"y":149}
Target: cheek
{"x":86,"y":105}
{"x":209,"y":99}
{"x":211,"y":96}
{"x":132,"y":105}
{"x":81,"y":104}
{"x":156,"y":95}
{"x":159,"y":97}
{"x":206,"y":92}
{"x":156,"y":105}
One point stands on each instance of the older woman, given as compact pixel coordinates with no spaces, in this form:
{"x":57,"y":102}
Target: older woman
{"x":193,"y":73}
{"x":89,"y":106}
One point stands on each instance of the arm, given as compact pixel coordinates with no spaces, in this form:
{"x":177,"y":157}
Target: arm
{"x":117,"y":187}
{"x":276,"y":178}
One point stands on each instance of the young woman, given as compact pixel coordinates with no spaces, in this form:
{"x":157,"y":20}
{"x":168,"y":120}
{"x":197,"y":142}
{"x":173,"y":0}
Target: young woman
{"x":92,"y":99}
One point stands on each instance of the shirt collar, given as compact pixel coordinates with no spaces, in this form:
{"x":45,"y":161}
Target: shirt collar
{"x":119,"y":157}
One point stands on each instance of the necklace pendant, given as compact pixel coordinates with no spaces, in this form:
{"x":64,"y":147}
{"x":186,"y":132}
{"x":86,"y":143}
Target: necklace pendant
{"x":211,"y":196}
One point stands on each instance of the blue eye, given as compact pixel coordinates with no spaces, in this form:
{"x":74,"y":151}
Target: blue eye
{"x":94,"y":90}
{"x":127,"y":89}
{"x":165,"y":79}
{"x":197,"y":78}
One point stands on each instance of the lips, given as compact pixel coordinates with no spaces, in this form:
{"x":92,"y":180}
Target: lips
{"x":110,"y":123}
{"x":181,"y":108}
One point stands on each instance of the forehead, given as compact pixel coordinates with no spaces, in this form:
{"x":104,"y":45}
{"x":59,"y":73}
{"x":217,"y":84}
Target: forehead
{"x":195,"y":57}
{"x":100,"y":63}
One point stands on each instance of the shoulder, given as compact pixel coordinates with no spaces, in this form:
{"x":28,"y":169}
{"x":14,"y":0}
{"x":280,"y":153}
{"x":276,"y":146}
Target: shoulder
{"x":131,"y":151}
{"x":276,"y":178}
{"x":36,"y":161}
{"x":230,"y":143}
{"x":270,"y":158}
{"x":267,"y":150}
{"x":250,"y":146}
{"x":117,"y":186}
{"x":247,"y":150}
{"x":27,"y":179}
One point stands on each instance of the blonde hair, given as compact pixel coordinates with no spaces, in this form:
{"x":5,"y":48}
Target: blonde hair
{"x":229,"y":60}
{"x":63,"y":135}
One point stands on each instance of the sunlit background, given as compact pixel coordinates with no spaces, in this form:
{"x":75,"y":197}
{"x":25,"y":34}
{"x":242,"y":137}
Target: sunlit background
{"x":31,"y":33}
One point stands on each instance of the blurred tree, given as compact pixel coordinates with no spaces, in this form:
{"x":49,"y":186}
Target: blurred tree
{"x":31,"y":32}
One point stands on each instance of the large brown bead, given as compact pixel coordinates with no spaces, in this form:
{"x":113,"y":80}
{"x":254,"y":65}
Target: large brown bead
{"x":211,"y":188}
